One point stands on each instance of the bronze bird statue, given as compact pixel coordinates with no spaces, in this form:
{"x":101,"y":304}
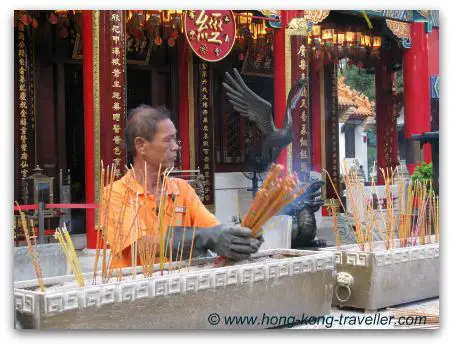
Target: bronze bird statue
{"x":259,"y":111}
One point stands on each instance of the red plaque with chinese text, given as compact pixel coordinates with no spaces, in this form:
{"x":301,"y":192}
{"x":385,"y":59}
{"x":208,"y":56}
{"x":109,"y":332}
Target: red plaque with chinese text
{"x":210,"y":33}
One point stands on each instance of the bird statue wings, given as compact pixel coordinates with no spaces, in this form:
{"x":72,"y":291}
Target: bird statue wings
{"x":259,"y":111}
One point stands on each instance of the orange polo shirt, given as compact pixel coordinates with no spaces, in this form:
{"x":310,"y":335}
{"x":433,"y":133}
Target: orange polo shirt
{"x":184,"y":208}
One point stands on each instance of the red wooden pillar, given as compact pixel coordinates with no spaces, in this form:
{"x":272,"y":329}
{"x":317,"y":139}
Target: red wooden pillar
{"x":88,"y":116}
{"x":386,"y":129}
{"x":416,"y":88}
{"x":183,"y":68}
{"x":279,"y":74}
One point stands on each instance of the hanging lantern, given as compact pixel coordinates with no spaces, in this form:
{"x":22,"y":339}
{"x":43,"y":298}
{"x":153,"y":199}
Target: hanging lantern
{"x":154,"y":19}
{"x":245,"y":25}
{"x":166,"y":17}
{"x":316,"y":31}
{"x":62,"y":13}
{"x":357,"y":39}
{"x":176,"y":19}
{"x":377,"y":42}
{"x":349,"y":38}
{"x":34,"y":23}
{"x":245,"y":18}
{"x":53,"y":19}
{"x":262,"y":30}
{"x":316,"y":36}
{"x":327,"y":36}
{"x":367,"y":40}
{"x":340,"y":39}
{"x":157,"y":40}
{"x":26,"y":19}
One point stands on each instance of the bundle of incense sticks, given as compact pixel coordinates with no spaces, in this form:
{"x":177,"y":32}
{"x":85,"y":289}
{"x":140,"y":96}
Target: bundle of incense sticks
{"x":63,"y":237}
{"x":332,"y":209}
{"x":31,"y":248}
{"x":418,"y":210}
{"x":405,"y":209}
{"x":277,"y":191}
{"x":147,"y":241}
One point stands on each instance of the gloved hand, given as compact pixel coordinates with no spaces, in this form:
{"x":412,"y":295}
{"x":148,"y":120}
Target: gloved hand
{"x":228,"y":240}
{"x":235,"y":242}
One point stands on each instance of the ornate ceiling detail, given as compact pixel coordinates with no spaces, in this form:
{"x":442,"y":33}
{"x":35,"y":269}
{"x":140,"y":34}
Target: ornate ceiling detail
{"x":424,"y":13}
{"x":268,"y":13}
{"x":399,"y":29}
{"x":315,"y":16}
{"x":298,"y":24}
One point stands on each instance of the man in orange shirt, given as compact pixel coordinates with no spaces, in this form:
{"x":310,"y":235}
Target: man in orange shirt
{"x":151,"y":142}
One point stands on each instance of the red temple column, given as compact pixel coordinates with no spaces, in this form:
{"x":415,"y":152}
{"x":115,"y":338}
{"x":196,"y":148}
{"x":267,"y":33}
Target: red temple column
{"x":88,"y":116}
{"x":416,"y":90}
{"x":279,"y":74}
{"x":386,"y":128}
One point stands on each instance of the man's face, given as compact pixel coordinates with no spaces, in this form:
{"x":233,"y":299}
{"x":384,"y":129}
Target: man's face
{"x":163,"y":147}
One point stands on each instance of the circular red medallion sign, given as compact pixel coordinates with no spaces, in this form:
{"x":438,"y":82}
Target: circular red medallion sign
{"x":210,"y":33}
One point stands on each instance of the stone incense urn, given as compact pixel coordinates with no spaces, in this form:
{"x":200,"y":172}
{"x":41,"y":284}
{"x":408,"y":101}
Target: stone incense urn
{"x":274,"y":285}
{"x":381,"y":278}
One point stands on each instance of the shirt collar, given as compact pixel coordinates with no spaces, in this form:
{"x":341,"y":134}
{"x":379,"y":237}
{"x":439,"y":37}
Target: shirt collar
{"x":172,"y":187}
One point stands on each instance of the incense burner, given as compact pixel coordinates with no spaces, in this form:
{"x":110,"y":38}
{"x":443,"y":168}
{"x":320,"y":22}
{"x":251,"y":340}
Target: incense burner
{"x":274,"y":286}
{"x":381,"y":278}
{"x":51,"y":258}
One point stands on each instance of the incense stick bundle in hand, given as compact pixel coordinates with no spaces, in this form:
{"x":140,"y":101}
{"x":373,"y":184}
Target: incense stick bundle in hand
{"x":277,"y":191}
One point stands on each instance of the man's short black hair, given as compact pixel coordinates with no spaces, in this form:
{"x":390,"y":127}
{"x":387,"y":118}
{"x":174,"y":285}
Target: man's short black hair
{"x":142,"y":122}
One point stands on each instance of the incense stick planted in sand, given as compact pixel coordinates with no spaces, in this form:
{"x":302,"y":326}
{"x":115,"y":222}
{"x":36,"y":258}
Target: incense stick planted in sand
{"x":332,"y":209}
{"x":31,"y":250}
{"x":63,"y":237}
{"x":418,"y":196}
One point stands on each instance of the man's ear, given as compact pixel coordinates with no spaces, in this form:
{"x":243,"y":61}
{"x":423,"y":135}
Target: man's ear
{"x":140,"y":145}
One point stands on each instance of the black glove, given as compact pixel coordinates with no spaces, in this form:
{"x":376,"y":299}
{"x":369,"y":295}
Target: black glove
{"x":228,"y":240}
{"x":235,"y":242}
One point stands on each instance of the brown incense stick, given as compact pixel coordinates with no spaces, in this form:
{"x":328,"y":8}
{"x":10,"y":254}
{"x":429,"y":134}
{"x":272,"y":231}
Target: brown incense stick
{"x":31,"y":250}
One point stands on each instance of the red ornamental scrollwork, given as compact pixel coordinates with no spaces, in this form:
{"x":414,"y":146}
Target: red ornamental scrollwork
{"x":210,"y":33}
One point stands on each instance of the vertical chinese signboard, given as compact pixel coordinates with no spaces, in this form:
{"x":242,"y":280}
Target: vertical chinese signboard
{"x":205,"y":133}
{"x":331,"y":129}
{"x":112,"y":88}
{"x":211,"y":35}
{"x":24,"y":101}
{"x":301,"y":145}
